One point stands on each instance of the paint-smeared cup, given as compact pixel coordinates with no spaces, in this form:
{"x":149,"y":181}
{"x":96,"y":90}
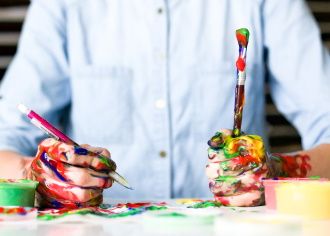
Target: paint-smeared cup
{"x":17,"y":192}
{"x":270,"y":185}
{"x":307,"y":199}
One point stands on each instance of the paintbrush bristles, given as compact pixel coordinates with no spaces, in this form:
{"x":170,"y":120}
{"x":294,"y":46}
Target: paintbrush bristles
{"x":242,"y":36}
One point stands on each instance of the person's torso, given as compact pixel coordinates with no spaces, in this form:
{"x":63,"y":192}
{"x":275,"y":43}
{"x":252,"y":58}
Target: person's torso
{"x":153,"y":80}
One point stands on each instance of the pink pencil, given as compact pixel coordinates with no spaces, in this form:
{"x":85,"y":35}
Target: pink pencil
{"x":49,"y":129}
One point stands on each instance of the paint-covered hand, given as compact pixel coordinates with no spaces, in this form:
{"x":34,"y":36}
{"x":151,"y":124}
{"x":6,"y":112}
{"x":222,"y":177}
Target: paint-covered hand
{"x":236,"y":167}
{"x":70,"y":176}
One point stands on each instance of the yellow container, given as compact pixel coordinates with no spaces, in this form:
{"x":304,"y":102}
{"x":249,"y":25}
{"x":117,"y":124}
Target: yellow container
{"x":310,"y":200}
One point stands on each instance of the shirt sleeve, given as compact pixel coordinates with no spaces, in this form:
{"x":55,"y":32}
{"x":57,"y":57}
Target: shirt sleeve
{"x":299,"y":66}
{"x":37,"y":77}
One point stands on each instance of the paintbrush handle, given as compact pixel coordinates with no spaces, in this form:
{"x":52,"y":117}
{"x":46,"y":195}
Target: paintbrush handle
{"x":242,"y":36}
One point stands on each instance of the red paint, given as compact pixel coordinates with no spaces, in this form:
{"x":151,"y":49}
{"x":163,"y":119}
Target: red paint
{"x":240,"y":64}
{"x":13,"y":211}
{"x":59,"y":192}
{"x":295,"y":165}
{"x":242,"y":40}
{"x":245,"y":160}
{"x":134,"y":205}
{"x":223,"y":200}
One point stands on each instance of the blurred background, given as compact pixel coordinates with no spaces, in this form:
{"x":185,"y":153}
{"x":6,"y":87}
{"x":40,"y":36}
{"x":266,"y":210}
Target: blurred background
{"x":283,"y":137}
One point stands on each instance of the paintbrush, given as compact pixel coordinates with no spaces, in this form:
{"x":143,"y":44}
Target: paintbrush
{"x":53,"y":132}
{"x":242,"y":36}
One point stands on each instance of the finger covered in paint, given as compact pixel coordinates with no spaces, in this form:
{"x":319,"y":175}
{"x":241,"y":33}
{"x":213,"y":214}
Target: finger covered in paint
{"x":78,"y":176}
{"x":49,"y":187}
{"x":78,"y":156}
{"x":233,"y":185}
{"x":250,"y":198}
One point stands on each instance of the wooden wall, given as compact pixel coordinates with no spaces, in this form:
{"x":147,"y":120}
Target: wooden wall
{"x":283,"y":137}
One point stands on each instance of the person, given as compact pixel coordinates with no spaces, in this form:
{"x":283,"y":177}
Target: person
{"x":151,"y":81}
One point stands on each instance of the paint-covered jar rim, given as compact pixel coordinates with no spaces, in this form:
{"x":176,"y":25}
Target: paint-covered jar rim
{"x":18,"y":183}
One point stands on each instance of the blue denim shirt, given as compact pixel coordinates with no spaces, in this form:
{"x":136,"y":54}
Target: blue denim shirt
{"x":153,"y":80}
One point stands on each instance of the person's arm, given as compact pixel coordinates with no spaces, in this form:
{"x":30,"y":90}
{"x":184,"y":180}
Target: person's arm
{"x":299,"y":67}
{"x":306,"y":163}
{"x":319,"y":160}
{"x":13,"y":165}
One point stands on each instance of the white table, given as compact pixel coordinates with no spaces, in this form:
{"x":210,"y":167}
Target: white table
{"x":239,"y":221}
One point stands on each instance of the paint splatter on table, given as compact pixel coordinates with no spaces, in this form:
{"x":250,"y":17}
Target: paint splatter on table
{"x":105,"y":211}
{"x":17,"y":213}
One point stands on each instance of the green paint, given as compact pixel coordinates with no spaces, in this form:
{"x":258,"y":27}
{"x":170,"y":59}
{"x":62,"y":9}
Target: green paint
{"x":224,"y":165}
{"x":227,"y":148}
{"x":206,"y":204}
{"x":95,"y":211}
{"x":226,"y":151}
{"x":245,"y":32}
{"x":315,"y":177}
{"x":47,"y":217}
{"x":172,"y":214}
{"x":131,"y":212}
{"x":156,"y":208}
{"x":274,"y":158}
{"x":253,"y":165}
{"x":227,"y":179}
{"x":241,"y":148}
{"x":17,"y":192}
{"x":51,"y":216}
{"x":217,"y":141}
{"x":236,"y":132}
{"x":253,"y":136}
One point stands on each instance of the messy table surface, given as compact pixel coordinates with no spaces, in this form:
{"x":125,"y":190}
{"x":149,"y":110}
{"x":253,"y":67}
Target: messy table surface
{"x":171,"y":217}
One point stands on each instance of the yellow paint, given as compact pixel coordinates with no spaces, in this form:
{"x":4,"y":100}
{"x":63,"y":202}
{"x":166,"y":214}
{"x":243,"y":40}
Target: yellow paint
{"x":310,"y":200}
{"x":253,"y":144}
{"x":187,"y":201}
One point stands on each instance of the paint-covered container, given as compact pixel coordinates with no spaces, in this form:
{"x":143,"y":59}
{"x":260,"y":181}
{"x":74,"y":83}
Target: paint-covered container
{"x":270,"y":184}
{"x":308,"y":199}
{"x":17,"y":192}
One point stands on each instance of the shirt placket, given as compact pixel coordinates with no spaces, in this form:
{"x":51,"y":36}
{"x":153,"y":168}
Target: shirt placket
{"x":161,"y":123}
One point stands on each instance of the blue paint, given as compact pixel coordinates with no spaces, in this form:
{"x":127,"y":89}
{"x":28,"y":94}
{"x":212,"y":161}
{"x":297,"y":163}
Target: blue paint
{"x":80,"y":151}
{"x":56,"y":204}
{"x":44,"y":158}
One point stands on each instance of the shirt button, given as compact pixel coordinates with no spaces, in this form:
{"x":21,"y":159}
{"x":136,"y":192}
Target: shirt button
{"x":160,"y":103}
{"x":160,"y":10}
{"x":162,"y":154}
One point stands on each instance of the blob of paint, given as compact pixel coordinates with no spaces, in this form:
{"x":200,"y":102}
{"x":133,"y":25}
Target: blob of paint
{"x":206,"y":204}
